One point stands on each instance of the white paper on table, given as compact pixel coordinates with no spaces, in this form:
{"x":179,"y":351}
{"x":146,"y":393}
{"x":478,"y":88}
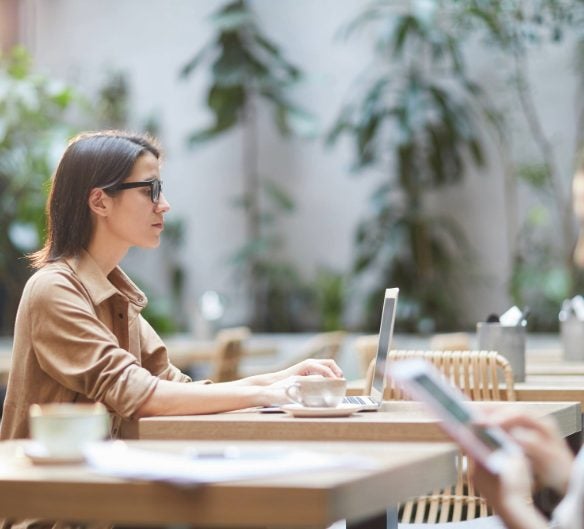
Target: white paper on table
{"x":119,"y":460}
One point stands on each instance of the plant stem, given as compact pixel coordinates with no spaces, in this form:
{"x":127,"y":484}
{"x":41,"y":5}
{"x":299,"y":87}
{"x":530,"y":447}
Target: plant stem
{"x":251,"y":193}
{"x":530,"y":112}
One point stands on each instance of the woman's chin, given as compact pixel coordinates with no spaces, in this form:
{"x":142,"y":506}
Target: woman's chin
{"x":150,"y":244}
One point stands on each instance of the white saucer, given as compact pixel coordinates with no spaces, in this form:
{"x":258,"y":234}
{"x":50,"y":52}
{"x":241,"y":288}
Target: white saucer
{"x":343,"y":410}
{"x":38,"y":454}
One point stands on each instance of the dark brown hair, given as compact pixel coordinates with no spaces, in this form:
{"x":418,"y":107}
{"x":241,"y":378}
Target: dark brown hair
{"x":95,"y":159}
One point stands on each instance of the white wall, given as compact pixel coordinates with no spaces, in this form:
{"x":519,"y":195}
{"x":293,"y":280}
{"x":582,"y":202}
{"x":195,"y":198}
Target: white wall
{"x":152,"y":39}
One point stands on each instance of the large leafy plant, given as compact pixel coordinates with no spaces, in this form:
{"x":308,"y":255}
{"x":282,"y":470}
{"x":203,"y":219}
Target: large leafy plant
{"x":543,"y":272}
{"x":249,"y":72}
{"x":32,"y":134}
{"x":417,"y":119}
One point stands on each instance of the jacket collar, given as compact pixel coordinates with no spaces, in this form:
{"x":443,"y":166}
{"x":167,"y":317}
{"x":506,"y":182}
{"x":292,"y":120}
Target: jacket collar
{"x":101,"y":287}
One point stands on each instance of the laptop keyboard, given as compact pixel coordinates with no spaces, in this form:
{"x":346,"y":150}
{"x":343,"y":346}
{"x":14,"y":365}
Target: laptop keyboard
{"x":363,"y":401}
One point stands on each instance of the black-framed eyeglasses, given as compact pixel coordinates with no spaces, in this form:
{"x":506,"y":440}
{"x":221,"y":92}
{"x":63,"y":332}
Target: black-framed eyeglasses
{"x":155,"y":188}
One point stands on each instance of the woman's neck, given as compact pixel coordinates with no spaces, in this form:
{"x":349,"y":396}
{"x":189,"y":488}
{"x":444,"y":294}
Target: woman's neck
{"x":107,"y":258}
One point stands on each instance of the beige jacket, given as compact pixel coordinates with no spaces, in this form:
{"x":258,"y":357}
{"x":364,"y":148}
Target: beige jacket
{"x":79,"y":337}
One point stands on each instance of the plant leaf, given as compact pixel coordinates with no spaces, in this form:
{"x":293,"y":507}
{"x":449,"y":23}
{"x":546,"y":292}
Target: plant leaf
{"x":278,"y":196}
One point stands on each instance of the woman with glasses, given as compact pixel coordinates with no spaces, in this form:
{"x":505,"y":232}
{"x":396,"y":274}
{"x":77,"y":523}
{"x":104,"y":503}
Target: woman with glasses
{"x":79,"y":335}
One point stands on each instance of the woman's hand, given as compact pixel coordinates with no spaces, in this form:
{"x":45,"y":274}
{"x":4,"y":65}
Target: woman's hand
{"x":311,"y":367}
{"x":550,"y":457}
{"x":509,"y":493}
{"x":323,"y":367}
{"x":545,"y":456}
{"x":513,"y":485}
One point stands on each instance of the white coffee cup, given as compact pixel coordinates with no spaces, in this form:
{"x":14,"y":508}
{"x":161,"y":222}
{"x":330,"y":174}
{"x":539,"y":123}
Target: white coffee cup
{"x":318,"y":393}
{"x":65,"y":429}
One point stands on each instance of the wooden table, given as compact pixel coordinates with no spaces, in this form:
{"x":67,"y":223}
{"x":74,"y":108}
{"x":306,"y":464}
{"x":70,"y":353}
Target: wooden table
{"x":543,"y":369}
{"x":396,"y":421}
{"x":313,"y":500}
{"x":527,"y":391}
{"x":554,"y":389}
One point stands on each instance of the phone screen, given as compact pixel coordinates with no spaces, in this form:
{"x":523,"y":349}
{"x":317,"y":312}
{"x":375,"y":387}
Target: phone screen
{"x":457,"y":411}
{"x":487,"y":436}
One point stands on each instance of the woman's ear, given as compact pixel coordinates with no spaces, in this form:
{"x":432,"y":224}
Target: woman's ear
{"x":98,"y":202}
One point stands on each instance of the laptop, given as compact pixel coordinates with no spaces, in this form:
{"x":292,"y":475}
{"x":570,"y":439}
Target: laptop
{"x":373,"y":401}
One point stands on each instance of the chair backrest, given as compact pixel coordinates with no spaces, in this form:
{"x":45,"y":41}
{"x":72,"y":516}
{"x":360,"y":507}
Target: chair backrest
{"x":229,"y":353}
{"x":366,"y":347}
{"x":323,"y":345}
{"x":455,"y":504}
{"x":481,"y":375}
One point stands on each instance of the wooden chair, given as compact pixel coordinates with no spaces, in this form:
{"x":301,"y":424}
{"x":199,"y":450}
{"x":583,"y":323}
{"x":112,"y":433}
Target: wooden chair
{"x":366,"y":347}
{"x":481,"y":375}
{"x":229,"y":353}
{"x":322,"y":345}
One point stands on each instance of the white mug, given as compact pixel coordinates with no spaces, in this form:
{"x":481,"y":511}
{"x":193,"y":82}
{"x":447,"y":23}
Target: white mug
{"x":317,"y":393}
{"x":65,"y":429}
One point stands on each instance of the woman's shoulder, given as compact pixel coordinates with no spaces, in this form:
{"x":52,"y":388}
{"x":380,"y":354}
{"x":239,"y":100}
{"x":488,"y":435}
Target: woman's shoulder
{"x":53,"y":270}
{"x":50,"y":278}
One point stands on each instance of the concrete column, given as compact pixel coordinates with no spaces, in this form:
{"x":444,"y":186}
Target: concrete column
{"x":9,"y":24}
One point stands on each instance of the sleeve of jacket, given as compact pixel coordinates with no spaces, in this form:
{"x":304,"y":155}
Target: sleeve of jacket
{"x":155,"y":355}
{"x":78,"y":351}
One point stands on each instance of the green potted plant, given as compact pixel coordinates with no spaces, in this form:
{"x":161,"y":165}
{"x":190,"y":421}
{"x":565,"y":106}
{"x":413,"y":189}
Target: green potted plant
{"x":416,"y":116}
{"x":247,"y":71}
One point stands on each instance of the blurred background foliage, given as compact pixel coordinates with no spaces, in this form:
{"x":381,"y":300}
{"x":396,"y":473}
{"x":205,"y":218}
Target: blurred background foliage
{"x":32,"y":134}
{"x":422,"y":119}
{"x":416,"y":116}
{"x":544,"y":273}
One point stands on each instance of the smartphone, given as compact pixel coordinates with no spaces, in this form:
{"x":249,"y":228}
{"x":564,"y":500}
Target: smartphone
{"x":422,"y":381}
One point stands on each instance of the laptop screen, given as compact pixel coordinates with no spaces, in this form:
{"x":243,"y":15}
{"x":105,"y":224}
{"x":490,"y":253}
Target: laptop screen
{"x":384,"y":345}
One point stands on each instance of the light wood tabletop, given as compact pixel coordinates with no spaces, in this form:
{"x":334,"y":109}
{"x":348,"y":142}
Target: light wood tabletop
{"x":544,"y":389}
{"x":547,"y":360}
{"x":396,"y":421}
{"x":308,"y":500}
{"x":543,"y":369}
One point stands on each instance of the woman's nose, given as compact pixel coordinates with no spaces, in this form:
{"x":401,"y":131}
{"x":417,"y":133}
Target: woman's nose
{"x":162,"y":205}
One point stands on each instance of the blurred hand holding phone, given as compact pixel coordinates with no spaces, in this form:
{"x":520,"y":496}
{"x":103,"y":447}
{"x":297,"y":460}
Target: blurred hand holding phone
{"x":489,"y":445}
